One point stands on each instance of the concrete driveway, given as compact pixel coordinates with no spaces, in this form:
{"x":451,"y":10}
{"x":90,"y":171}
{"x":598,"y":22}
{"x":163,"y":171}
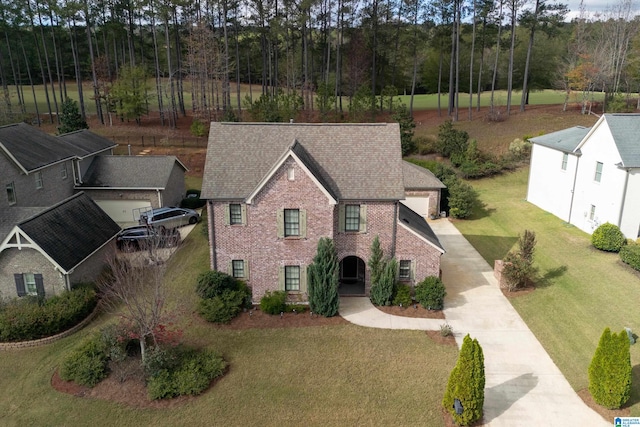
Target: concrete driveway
{"x":523,"y":385}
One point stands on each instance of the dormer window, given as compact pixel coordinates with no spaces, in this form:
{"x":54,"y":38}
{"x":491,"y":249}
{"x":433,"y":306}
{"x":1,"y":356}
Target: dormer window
{"x":291,"y":174}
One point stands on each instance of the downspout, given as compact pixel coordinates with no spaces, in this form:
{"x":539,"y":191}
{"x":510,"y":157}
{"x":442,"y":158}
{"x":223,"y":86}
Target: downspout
{"x":159,"y":197}
{"x":623,"y":197}
{"x":212,"y":235}
{"x":79,"y":177}
{"x":395,"y":228}
{"x":573,"y":189}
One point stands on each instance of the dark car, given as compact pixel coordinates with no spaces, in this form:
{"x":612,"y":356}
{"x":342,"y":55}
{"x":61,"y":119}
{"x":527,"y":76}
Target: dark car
{"x":169,"y":217}
{"x":143,"y":237}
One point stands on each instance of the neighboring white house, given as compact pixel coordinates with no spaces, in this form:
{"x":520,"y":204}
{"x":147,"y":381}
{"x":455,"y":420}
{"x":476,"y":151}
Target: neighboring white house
{"x":589,"y":176}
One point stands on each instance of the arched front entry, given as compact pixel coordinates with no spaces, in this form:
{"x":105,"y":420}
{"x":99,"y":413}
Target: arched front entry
{"x":352,"y":271}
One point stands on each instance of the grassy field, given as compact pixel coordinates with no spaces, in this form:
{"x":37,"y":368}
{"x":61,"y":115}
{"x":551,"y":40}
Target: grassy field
{"x":581,"y":290}
{"x":329,"y":376}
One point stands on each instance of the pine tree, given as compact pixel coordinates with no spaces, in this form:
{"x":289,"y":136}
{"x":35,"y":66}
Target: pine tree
{"x":466,"y":383}
{"x":610,"y":370}
{"x":322,"y":277}
{"x":71,"y":120}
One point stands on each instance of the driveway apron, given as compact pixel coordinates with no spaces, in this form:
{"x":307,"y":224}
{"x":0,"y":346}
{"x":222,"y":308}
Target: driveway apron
{"x":523,"y":385}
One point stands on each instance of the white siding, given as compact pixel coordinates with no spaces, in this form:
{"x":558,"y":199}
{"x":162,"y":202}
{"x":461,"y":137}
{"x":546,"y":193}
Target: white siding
{"x":605,"y":195}
{"x":419,"y":205}
{"x":630,"y":225}
{"x":549,"y":185}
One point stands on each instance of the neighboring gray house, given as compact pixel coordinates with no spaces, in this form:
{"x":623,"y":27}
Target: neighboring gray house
{"x":87,"y":145}
{"x":124,"y":186}
{"x":422,"y":190}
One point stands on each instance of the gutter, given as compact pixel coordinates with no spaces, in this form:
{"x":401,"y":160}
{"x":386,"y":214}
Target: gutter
{"x":573,"y":189}
{"x":623,"y":196}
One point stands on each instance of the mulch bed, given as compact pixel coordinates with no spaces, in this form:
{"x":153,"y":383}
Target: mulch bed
{"x":607,"y":414}
{"x":420,"y":311}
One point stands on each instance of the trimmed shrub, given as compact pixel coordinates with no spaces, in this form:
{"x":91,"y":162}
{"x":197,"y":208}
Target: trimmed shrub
{"x":463,"y":199}
{"x":402,"y":295}
{"x":191,"y":375}
{"x":630,"y":254}
{"x":381,"y":293}
{"x":610,"y":370}
{"x":322,"y":279}
{"x":274,"y":302}
{"x":213,"y":283}
{"x":33,"y":318}
{"x":608,"y":237}
{"x":450,"y":140}
{"x":466,"y":383}
{"x":297,"y":308}
{"x":220,"y":309}
{"x":87,"y":364}
{"x":430,"y":293}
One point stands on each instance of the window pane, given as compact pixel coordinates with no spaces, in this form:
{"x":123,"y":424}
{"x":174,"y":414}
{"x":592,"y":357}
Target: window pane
{"x":38,"y":179}
{"x":64,"y":171}
{"x":592,"y":212}
{"x":11,"y":194}
{"x":291,"y":222}
{"x":352,"y":218}
{"x":565,"y":159}
{"x":292,"y":278}
{"x":405,"y":269}
{"x":235,"y":214}
{"x":30,"y":284}
{"x":598,"y":176}
{"x":238,"y":268}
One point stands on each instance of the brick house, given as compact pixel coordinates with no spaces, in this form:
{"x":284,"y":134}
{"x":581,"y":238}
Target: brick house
{"x":274,"y":190}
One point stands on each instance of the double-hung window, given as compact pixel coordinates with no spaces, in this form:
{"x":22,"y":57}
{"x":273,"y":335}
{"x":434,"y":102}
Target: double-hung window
{"x":565,"y":160}
{"x":235,"y":213}
{"x":352,"y":218}
{"x":292,"y":278}
{"x":592,"y":213}
{"x":404,"y":272}
{"x":11,"y":193}
{"x":39,"y":180}
{"x":237,"y":269}
{"x":598,"y":175}
{"x":291,"y":222}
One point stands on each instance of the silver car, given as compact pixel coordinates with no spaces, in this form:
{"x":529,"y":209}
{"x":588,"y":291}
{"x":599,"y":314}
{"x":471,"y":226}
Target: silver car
{"x":166,"y":218}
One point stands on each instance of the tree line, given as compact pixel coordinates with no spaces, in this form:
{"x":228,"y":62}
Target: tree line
{"x":317,"y":55}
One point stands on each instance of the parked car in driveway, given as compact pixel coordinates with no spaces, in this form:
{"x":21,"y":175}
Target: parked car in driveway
{"x":169,"y":217}
{"x":142,"y":237}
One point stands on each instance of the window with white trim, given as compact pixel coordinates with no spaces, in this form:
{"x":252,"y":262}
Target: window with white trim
{"x":598,"y":175}
{"x":235,"y":213}
{"x":30,"y":284}
{"x":291,"y":222}
{"x":292,"y":278}
{"x":565,"y":160}
{"x":404,"y":272}
{"x":352,"y":218}
{"x":39,"y":180}
{"x":64,"y":173}
{"x":237,"y":269}
{"x":11,"y":193}
{"x":592,"y":212}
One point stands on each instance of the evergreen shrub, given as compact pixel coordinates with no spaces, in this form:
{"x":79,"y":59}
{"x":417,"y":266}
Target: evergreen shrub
{"x":630,"y":254}
{"x":610,"y":370}
{"x":430,"y":293}
{"x":381,"y":293}
{"x":608,"y":237}
{"x":402,"y":295}
{"x":322,"y":278}
{"x":87,"y":364}
{"x":274,"y":302}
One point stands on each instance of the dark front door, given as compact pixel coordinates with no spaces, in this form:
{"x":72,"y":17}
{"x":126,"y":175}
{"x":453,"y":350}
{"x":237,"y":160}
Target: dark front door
{"x":352,"y":270}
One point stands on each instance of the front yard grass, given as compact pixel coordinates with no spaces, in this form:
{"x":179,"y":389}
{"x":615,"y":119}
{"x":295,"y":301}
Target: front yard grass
{"x":342,"y":375}
{"x":581,"y":290}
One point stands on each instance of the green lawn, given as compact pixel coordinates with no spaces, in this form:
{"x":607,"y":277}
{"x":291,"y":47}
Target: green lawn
{"x":581,"y":291}
{"x":339,"y":375}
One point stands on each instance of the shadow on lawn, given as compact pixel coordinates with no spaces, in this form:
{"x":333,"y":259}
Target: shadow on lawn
{"x":498,"y":246}
{"x":635,"y":391}
{"x":548,"y":277}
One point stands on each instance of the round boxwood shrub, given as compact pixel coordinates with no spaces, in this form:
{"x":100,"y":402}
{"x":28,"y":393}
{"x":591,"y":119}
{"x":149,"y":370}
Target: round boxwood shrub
{"x":213,"y":283}
{"x":274,"y":302}
{"x":87,"y":364}
{"x":430,"y":293}
{"x":630,"y":254}
{"x":608,"y":237}
{"x":402,"y":295}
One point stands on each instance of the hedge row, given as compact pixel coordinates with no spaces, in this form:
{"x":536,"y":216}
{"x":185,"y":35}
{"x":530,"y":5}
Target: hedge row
{"x":31,"y":318}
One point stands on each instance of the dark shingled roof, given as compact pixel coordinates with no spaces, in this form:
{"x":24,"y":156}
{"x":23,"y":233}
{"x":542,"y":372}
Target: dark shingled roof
{"x":12,"y":215}
{"x":130,"y":171}
{"x":565,"y":140}
{"x":71,"y":230}
{"x":357,"y":161}
{"x":86,"y":143}
{"x":419,"y":178}
{"x":625,"y":129}
{"x":417,"y":223}
{"x":31,"y":148}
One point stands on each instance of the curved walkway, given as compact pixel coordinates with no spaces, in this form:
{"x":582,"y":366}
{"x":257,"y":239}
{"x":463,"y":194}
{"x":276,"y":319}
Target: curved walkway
{"x":523,"y":385}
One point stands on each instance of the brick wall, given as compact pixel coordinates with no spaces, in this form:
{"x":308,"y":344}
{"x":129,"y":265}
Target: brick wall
{"x":258,"y":241}
{"x":27,"y":260}
{"x":91,"y":268}
{"x":411,"y":247}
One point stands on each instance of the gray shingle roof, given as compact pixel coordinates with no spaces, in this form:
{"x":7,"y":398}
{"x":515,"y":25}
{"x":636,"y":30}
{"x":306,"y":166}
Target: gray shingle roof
{"x":86,"y":143}
{"x":625,"y":129}
{"x":12,"y":215}
{"x":417,"y":223}
{"x":565,"y":140}
{"x":71,"y":230}
{"x":130,"y":171}
{"x":357,"y":161}
{"x":419,"y":178}
{"x":31,"y":148}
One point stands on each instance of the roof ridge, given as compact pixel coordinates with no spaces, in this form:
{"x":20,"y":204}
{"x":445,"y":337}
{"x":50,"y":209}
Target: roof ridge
{"x":50,"y":208}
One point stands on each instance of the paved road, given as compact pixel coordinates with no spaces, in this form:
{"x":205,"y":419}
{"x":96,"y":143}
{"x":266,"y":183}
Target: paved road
{"x":523,"y":385}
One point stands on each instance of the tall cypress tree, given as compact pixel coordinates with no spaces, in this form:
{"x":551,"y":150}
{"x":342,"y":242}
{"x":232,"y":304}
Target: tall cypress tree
{"x":610,"y":370}
{"x":466,"y":384}
{"x":322,"y":277}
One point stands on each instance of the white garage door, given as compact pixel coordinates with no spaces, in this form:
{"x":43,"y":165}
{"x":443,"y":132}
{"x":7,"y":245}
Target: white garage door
{"x":419,"y":205}
{"x":124,"y":211}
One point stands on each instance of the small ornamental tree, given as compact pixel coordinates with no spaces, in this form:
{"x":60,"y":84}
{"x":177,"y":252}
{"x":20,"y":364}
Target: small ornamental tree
{"x":322,"y":277}
{"x":382,"y":291}
{"x":466,"y":384}
{"x":71,"y":120}
{"x":610,"y":370}
{"x":608,"y":237}
{"x":518,"y":265}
